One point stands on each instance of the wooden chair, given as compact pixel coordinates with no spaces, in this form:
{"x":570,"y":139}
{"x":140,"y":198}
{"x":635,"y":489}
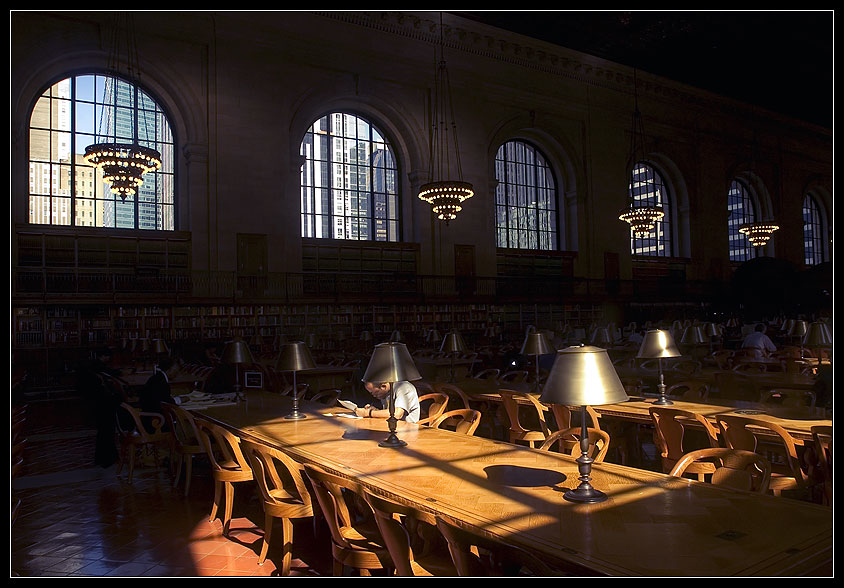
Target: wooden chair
{"x":568,"y":441}
{"x":137,"y":430}
{"x":463,"y":420}
{"x":228,"y":466}
{"x":286,"y":497}
{"x":789,"y":398}
{"x":731,"y":468}
{"x":327,"y":396}
{"x":454,"y":392}
{"x":745,"y":432}
{"x":475,"y":555}
{"x":686,"y":367}
{"x":689,"y":390}
{"x":301,"y":390}
{"x":487,"y":374}
{"x":395,"y":522}
{"x":822,"y":436}
{"x":722,"y":359}
{"x":517,"y":431}
{"x":670,"y":432}
{"x":437,"y":403}
{"x":356,"y":542}
{"x":750,"y":367}
{"x":185,"y":442}
{"x":514,"y":376}
{"x":563,"y":416}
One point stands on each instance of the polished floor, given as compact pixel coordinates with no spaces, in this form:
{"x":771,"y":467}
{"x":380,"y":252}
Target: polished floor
{"x":77,"y":519}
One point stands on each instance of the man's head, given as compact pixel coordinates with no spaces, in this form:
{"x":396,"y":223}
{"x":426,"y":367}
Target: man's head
{"x":760,"y":328}
{"x":378,"y":390}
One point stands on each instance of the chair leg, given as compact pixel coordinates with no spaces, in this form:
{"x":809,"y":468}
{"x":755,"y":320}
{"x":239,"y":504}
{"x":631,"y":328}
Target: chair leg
{"x":132,"y":452}
{"x":188,"y":472}
{"x":177,"y":476}
{"x":337,"y":570}
{"x":218,"y":490}
{"x":265,"y":546}
{"x":227,"y":518}
{"x":287,"y":548}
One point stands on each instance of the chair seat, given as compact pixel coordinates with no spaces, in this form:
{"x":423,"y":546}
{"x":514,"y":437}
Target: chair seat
{"x":434,"y":564}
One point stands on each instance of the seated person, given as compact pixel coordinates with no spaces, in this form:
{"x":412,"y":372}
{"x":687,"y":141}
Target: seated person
{"x":157,"y":387}
{"x":406,"y":406}
{"x":758,"y":343}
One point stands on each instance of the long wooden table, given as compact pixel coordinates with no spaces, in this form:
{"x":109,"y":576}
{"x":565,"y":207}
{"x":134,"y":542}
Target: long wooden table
{"x":651,"y":525}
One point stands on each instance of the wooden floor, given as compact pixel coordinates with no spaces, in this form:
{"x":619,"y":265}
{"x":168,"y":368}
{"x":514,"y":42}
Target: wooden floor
{"x":77,"y":519}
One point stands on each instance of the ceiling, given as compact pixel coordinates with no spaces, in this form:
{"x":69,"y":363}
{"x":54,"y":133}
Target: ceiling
{"x":778,"y":60}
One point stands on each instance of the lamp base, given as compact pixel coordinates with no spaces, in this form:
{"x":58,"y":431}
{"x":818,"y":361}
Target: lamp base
{"x":662,"y":402}
{"x":392,"y":441}
{"x":296,"y":416}
{"x":588,"y":495}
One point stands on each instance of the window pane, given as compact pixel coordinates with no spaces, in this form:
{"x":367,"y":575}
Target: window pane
{"x":647,"y":188}
{"x":741,"y":209}
{"x":347,"y":153}
{"x":79,"y":111}
{"x":525,"y":198}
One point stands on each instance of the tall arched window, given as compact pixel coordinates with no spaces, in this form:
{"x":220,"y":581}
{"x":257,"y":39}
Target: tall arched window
{"x":349,"y":182}
{"x":64,"y":189}
{"x":742,"y":209}
{"x":525,"y":198}
{"x":813,"y":232}
{"x":647,"y":188}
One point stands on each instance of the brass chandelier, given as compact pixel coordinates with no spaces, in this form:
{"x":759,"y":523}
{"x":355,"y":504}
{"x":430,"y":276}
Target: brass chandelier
{"x":642,"y":219}
{"x":445,"y":195}
{"x":123,"y":163}
{"x":758,"y":233}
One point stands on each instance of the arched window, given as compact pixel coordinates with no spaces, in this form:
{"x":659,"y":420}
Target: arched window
{"x":742,"y":209}
{"x":813,"y":232}
{"x":525,"y":198}
{"x":349,"y":182}
{"x":64,"y":189}
{"x":647,"y":188}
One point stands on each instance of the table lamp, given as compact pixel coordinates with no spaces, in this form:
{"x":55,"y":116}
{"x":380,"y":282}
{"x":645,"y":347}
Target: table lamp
{"x":712,"y":331}
{"x":583,"y":376}
{"x":536,"y":344}
{"x":390,"y":363}
{"x":655,"y":345}
{"x":159,"y":349}
{"x":237,"y":352}
{"x":817,"y":336}
{"x":294,"y":357}
{"x":395,"y":336}
{"x":798,"y":329}
{"x":453,"y":344}
{"x":433,"y":336}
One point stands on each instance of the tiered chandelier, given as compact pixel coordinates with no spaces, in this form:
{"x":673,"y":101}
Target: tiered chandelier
{"x":123,"y":164}
{"x":443,"y":194}
{"x":642,"y":219}
{"x":758,"y":233}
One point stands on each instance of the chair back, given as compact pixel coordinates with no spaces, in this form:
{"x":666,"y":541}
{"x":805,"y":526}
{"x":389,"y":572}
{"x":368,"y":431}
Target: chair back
{"x":568,"y":441}
{"x":746,"y":432}
{"x":182,"y":426}
{"x":301,"y":389}
{"x":149,"y":426}
{"x":507,"y":560}
{"x":789,"y":398}
{"x":393,"y":532}
{"x":511,"y":406}
{"x":327,"y":396}
{"x":222,"y":447}
{"x":464,"y":420}
{"x":822,"y":436}
{"x":733,"y":468}
{"x":453,"y":392}
{"x":670,"y":424}
{"x":689,"y":390}
{"x":514,"y":376}
{"x":279,"y":477}
{"x":562,"y":416}
{"x":436,"y":402}
{"x":487,"y":374}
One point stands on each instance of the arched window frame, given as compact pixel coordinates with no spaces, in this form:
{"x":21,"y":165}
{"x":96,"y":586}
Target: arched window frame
{"x":74,"y":116}
{"x":526,"y":198}
{"x":814,"y":231}
{"x":369,"y":225}
{"x":647,"y":187}
{"x":743,"y":207}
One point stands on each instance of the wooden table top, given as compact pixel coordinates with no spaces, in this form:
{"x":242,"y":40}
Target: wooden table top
{"x":651,"y":525}
{"x":765,"y":380}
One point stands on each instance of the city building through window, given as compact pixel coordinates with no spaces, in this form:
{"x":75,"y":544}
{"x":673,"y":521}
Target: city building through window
{"x":647,"y":188}
{"x":742,"y":209}
{"x":813,"y":232}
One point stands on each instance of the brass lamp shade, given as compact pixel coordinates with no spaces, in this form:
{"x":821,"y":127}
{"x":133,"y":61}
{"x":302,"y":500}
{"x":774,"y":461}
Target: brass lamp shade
{"x":395,"y":336}
{"x":365,"y":336}
{"x":256,"y":340}
{"x":583,"y":376}
{"x":536,"y":344}
{"x":311,"y":340}
{"x":693,"y":336}
{"x":732,"y":322}
{"x":489,"y":331}
{"x":786,"y":326}
{"x":712,"y":330}
{"x":656,"y":344}
{"x":391,"y":362}
{"x":818,"y":336}
{"x":159,"y":346}
{"x":798,"y":329}
{"x":453,"y":342}
{"x":433,"y":335}
{"x":295,"y":356}
{"x":600,"y":336}
{"x":237,"y":351}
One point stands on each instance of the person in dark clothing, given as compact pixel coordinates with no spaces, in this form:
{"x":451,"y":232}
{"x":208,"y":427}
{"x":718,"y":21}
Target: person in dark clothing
{"x":157,"y":387}
{"x":99,"y":384}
